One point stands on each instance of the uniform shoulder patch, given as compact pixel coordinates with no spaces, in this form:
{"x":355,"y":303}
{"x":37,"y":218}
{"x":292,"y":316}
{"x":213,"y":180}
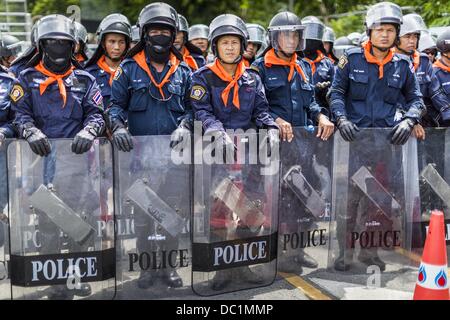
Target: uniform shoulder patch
{"x":118,"y":73}
{"x":197,"y":92}
{"x":343,"y":60}
{"x":16,"y":93}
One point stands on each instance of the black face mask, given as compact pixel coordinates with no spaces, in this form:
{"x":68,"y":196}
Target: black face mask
{"x":158,"y":47}
{"x":57,"y":55}
{"x":311,"y":48}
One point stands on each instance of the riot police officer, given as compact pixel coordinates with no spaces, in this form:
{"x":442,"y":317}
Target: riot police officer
{"x":427,"y":45}
{"x":256,"y":41}
{"x":20,"y":63}
{"x":198,"y":36}
{"x":365,"y":93}
{"x":10,"y":48}
{"x":288,"y":82}
{"x":7,"y":130}
{"x":440,"y":81}
{"x":192,"y":55}
{"x":113,"y":37}
{"x":341,"y":45}
{"x":314,"y":52}
{"x":150,"y":91}
{"x":328,"y":43}
{"x":81,"y":50}
{"x":53,"y":99}
{"x":410,"y":33}
{"x":227,"y":95}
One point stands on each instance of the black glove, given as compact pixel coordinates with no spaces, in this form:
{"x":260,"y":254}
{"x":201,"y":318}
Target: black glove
{"x":84,"y":139}
{"x":347,"y":128}
{"x":181,"y":134}
{"x":38,"y":141}
{"x":123,"y":140}
{"x":402,"y":131}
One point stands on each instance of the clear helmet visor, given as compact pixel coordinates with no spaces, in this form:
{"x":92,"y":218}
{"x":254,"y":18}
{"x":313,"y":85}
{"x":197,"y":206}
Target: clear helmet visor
{"x":227,"y":20}
{"x":288,"y":39}
{"x":198,"y":32}
{"x":426,"y":42}
{"x":383,"y":12}
{"x":58,"y":27}
{"x":257,"y":34}
{"x":340,"y":50}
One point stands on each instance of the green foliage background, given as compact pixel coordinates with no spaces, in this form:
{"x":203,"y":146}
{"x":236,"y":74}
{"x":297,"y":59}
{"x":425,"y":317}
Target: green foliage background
{"x":343,"y":15}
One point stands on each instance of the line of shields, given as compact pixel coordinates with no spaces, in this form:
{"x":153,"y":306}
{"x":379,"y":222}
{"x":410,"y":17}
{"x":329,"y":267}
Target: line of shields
{"x":162,"y":222}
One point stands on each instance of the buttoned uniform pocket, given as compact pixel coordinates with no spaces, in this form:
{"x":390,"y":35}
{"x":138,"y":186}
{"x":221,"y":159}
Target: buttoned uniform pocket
{"x":176,"y":104}
{"x":359,"y":86}
{"x":75,"y":101}
{"x":138,"y":97}
{"x":392,"y":91}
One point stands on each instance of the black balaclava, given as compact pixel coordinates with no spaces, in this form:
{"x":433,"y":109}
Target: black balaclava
{"x":158,"y":47}
{"x":311,"y":48}
{"x":57,"y":55}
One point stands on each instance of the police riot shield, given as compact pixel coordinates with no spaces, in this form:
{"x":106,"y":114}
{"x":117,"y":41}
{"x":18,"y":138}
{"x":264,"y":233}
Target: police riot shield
{"x":305,"y":203}
{"x":5,"y":283}
{"x":374,"y":197}
{"x":153,"y":247}
{"x":434,"y":174}
{"x":235,"y":213}
{"x":58,"y":204}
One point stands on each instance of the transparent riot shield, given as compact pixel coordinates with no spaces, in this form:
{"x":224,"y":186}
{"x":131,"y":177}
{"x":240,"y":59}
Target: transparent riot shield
{"x":153,"y":189}
{"x":5,"y":283}
{"x":305,"y":202}
{"x":235,"y":214}
{"x":374,"y":196}
{"x":434,"y":174}
{"x":57,"y":205}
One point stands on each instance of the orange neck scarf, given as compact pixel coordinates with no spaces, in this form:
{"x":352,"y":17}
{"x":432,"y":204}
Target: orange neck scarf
{"x":246,"y":62}
{"x":439,"y":64}
{"x":319,"y":58}
{"x":371,"y":59}
{"x":219,"y":71}
{"x":104,"y":66}
{"x":331,"y":58}
{"x":140,"y":60}
{"x":270,"y":58}
{"x":52,"y":78}
{"x":416,"y":59}
{"x":190,"y":61}
{"x":80,"y":57}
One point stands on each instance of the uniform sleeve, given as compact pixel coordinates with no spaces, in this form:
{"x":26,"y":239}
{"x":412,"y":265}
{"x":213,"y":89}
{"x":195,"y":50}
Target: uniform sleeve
{"x":7,"y":128}
{"x":120,"y":96}
{"x":189,"y":114}
{"x":439,"y":99}
{"x":21,"y":104}
{"x":413,"y":97}
{"x":201,"y":104}
{"x":339,"y":88}
{"x":313,"y":108}
{"x":93,"y":106}
{"x":260,"y":114}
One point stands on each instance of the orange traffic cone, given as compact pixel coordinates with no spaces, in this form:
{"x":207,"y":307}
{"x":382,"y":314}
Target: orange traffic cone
{"x":432,"y":281}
